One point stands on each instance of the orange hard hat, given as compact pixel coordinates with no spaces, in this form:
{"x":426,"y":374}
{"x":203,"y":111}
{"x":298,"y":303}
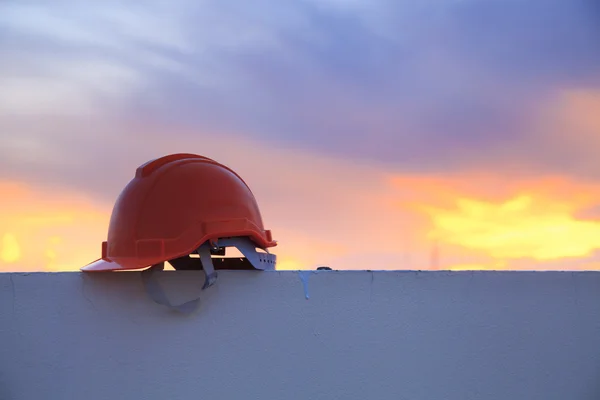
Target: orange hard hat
{"x":182,"y":204}
{"x":172,"y":206}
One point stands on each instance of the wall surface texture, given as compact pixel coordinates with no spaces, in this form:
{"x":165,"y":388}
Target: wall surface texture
{"x":359,"y":335}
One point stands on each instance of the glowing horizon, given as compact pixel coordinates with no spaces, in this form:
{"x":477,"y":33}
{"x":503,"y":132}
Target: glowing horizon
{"x":530,"y":229}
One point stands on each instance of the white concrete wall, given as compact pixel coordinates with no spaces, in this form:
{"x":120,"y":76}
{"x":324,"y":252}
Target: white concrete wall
{"x":361,"y":335}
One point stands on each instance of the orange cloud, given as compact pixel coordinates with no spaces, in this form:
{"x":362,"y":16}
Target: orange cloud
{"x":478,"y":221}
{"x":534,"y":218}
{"x":566,"y":131}
{"x":10,"y":251}
{"x":517,"y":228}
{"x":579,"y":111}
{"x":45,"y":230}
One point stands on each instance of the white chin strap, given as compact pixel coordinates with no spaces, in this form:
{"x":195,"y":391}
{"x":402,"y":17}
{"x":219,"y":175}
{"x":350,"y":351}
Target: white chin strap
{"x":259,"y":261}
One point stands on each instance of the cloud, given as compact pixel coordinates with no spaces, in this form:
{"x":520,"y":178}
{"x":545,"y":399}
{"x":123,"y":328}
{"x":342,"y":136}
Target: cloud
{"x":420,"y":87}
{"x":534,"y":222}
{"x":10,"y":251}
{"x":340,"y":213}
{"x":448,"y":89}
{"x":45,"y":229}
{"x":319,"y":104}
{"x":567,"y":135}
{"x":517,"y":228}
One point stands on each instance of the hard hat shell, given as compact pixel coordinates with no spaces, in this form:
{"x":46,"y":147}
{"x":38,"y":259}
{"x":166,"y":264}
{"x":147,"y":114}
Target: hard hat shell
{"x":172,"y":206}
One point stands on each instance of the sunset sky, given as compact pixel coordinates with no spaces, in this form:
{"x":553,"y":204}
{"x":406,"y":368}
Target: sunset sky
{"x":375,"y":134}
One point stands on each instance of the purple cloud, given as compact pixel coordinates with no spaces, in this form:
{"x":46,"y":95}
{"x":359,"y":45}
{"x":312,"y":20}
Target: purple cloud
{"x":424,"y":86}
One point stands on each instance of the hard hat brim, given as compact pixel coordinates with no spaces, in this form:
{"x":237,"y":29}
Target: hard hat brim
{"x":102,"y":265}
